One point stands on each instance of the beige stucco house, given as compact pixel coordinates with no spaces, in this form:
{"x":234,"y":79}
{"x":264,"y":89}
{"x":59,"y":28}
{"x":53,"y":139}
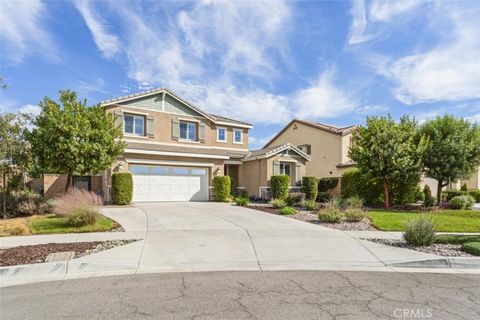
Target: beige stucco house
{"x":326,"y":145}
{"x":175,"y":149}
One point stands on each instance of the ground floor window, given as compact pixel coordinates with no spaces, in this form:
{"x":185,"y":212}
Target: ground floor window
{"x":285,"y":168}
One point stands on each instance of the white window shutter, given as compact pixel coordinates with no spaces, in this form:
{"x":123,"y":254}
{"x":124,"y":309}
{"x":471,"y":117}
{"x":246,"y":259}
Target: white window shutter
{"x":118,"y":114}
{"x":175,"y":129}
{"x":150,"y":127}
{"x":276,"y":167}
{"x":201,"y":132}
{"x":298,"y":174}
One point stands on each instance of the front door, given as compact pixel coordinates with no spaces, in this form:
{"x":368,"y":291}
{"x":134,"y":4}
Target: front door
{"x":82,"y":183}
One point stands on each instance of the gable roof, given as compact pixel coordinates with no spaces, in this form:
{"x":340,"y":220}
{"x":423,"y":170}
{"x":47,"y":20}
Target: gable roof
{"x":324,"y":127}
{"x":214,"y":118}
{"x":271,"y":151}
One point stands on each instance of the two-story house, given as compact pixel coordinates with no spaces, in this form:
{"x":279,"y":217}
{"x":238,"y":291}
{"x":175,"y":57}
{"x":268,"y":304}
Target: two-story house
{"x":175,"y":149}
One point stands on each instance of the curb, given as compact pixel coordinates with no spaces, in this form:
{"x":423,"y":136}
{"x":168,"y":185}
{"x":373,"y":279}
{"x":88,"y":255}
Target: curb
{"x":447,"y":262}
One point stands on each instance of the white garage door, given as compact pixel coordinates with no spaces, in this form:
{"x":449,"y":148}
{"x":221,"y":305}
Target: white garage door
{"x":168,"y":183}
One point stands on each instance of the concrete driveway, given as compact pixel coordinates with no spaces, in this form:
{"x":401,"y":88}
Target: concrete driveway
{"x":215,"y":236}
{"x":178,"y":237}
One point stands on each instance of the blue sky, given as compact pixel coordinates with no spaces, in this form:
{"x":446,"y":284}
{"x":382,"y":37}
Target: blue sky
{"x":263,"y":62}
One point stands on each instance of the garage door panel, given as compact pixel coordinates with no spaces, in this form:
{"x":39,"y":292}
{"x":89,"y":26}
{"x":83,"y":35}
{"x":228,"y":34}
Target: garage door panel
{"x":174,"y":184}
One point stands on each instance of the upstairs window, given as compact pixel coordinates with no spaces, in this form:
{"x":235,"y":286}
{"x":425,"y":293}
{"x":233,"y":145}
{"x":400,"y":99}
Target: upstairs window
{"x":134,"y":124}
{"x":237,"y":136}
{"x":188,"y":130}
{"x":221,"y":135}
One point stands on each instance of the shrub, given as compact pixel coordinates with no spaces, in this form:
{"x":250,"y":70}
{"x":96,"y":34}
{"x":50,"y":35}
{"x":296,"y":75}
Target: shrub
{"x":334,"y":202}
{"x":82,"y":216}
{"x":242,"y":201}
{"x":429,"y":200}
{"x":450,"y":194}
{"x":331,"y":215}
{"x":323,"y":197}
{"x":354,"y":202}
{"x":294,"y":198}
{"x":278,"y":203}
{"x":279,"y":185}
{"x":472,"y":248}
{"x":356,"y":183}
{"x":310,"y":187}
{"x":327,"y":184}
{"x":75,"y":200}
{"x":310,"y":205}
{"x":420,"y":231}
{"x":475,"y":194}
{"x":288,"y":211}
{"x":221,"y":188}
{"x":122,"y":188}
{"x":464,"y":188}
{"x":461,"y":203}
{"x":355,"y":214}
{"x":25,"y":203}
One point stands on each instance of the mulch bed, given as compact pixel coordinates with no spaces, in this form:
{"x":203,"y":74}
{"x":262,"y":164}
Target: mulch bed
{"x":440,"y":249}
{"x":38,"y":253}
{"x":311,"y":217}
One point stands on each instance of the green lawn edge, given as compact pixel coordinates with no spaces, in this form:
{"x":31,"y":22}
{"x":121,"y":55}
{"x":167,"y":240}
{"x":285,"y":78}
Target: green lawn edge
{"x":58,"y":225}
{"x":445,"y":220}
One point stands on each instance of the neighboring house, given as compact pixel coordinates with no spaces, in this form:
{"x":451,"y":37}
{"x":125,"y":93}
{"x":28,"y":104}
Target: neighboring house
{"x":174,"y":150}
{"x":326,"y":145}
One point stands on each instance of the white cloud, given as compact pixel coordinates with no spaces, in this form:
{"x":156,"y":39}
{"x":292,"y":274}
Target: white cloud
{"x":31,"y":109}
{"x":359,"y":23}
{"x":448,"y":72}
{"x":385,"y":10}
{"x":371,"y":110}
{"x":108,"y":43}
{"x":474,"y":118}
{"x":323,"y":99}
{"x":23,"y":32}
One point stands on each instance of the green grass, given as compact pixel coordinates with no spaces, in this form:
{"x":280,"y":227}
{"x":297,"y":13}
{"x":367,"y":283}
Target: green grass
{"x":472,"y":248}
{"x":445,"y":220}
{"x":456,"y":238}
{"x":55,"y":224}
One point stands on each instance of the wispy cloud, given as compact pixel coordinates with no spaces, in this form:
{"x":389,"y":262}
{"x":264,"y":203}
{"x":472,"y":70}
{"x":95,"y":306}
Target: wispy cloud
{"x":323,"y":99}
{"x":108,"y":43}
{"x":23,"y":31}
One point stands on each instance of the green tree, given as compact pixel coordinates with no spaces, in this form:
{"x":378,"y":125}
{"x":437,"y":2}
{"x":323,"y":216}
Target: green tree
{"x":15,"y":155}
{"x":70,"y":137}
{"x":388,"y":151}
{"x":453,"y":152}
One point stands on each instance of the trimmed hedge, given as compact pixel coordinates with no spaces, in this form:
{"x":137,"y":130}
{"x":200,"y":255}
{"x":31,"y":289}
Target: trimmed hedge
{"x":450,"y":194}
{"x":279,"y":185}
{"x":122,"y":188}
{"x":326,"y":184}
{"x":310,"y":187}
{"x":355,"y":183}
{"x":475,"y":194}
{"x":221,"y":188}
{"x":429,"y":200}
{"x":461,"y":203}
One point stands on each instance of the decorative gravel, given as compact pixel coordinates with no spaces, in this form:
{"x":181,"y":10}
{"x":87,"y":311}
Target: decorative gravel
{"x":311,"y":217}
{"x":104,"y":245}
{"x":440,"y":249}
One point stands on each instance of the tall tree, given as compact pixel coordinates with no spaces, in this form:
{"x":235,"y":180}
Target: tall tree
{"x":15,"y":155}
{"x":453,"y":151}
{"x":389,"y":151}
{"x":70,"y":137}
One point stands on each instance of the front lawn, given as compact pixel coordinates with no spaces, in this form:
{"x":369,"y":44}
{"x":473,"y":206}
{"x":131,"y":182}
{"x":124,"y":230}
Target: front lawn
{"x":49,"y":224}
{"x":446,"y":220}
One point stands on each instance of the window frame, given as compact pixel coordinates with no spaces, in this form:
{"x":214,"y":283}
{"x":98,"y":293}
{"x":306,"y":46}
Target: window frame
{"x":284,"y":164}
{"x":187,"y":132}
{"x":241,"y":136}
{"x":135,"y":116}
{"x":225,"y":134}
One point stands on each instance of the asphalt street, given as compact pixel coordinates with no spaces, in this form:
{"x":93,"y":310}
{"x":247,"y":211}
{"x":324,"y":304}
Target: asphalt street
{"x":250,"y":295}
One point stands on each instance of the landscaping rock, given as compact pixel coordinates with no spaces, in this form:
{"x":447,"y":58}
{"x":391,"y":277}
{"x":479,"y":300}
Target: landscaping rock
{"x":445,"y":250}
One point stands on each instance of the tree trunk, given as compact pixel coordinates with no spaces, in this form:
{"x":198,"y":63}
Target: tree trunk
{"x":439,"y":192}
{"x":69,"y":186}
{"x":387,"y":196}
{"x":4,"y":195}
